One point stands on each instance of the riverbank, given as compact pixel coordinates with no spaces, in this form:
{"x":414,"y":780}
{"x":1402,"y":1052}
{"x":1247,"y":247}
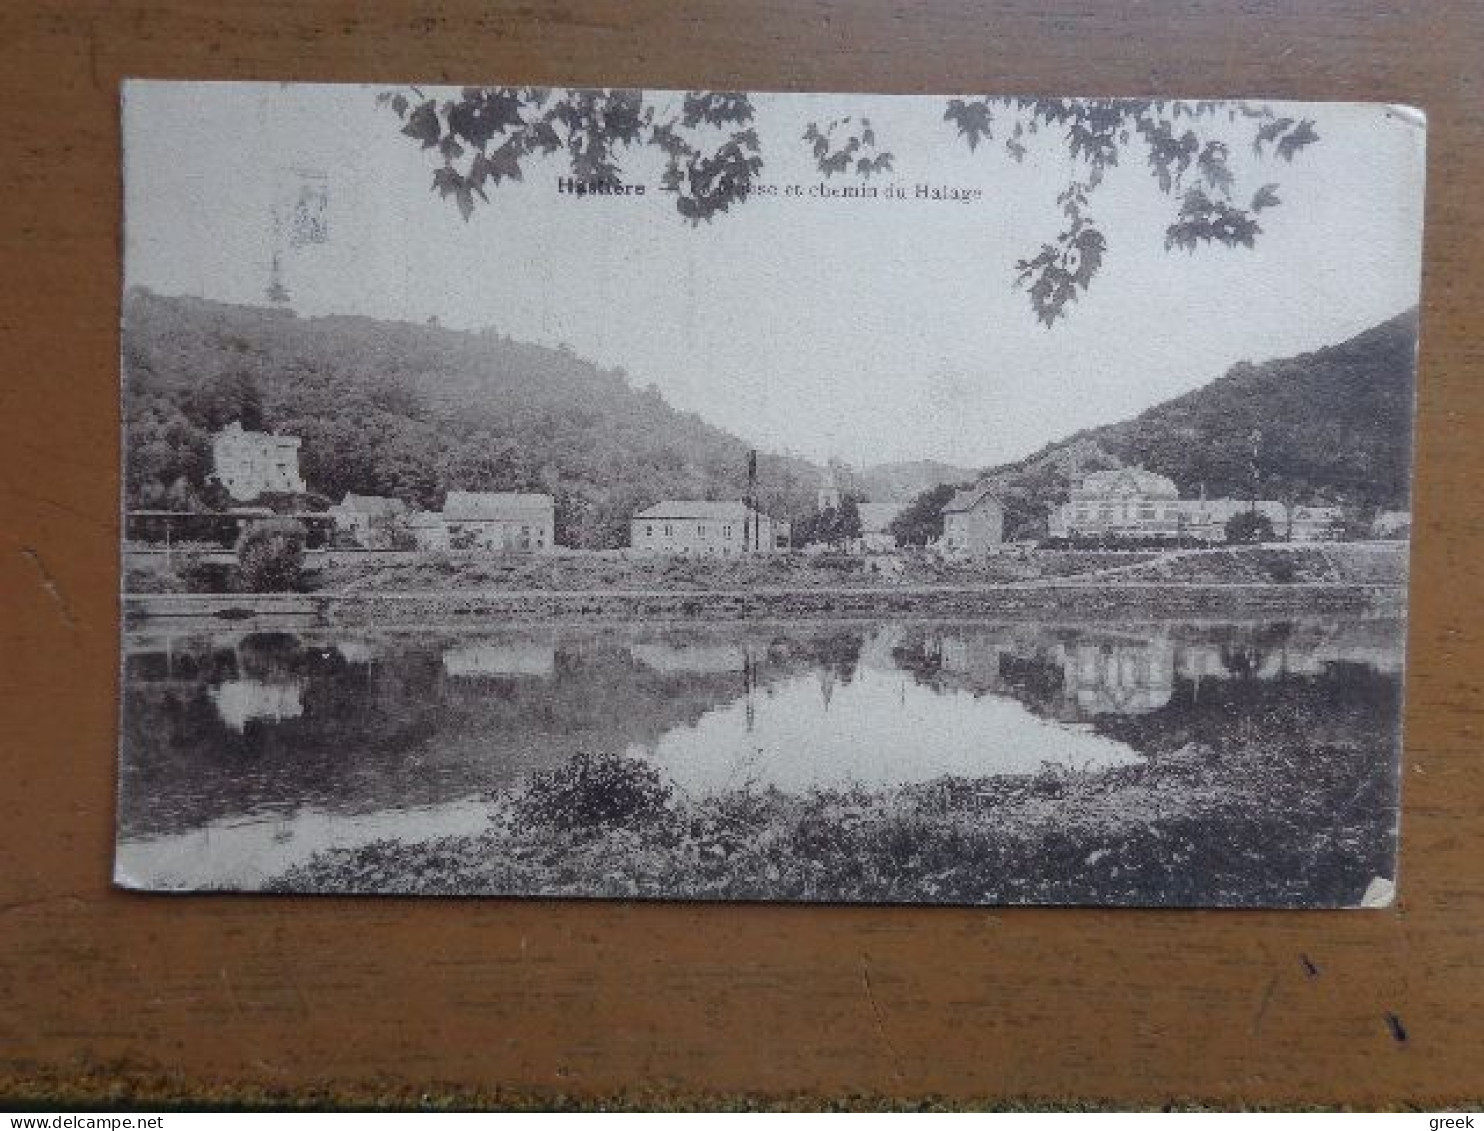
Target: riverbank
{"x":1244,"y":580}
{"x":1086,"y":600}
{"x":1291,"y":824}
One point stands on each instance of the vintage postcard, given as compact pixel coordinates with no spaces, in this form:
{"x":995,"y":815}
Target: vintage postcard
{"x":716,"y":495}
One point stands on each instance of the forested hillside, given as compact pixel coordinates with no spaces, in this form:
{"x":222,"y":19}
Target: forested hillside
{"x":1335,"y":426}
{"x":413,"y":411}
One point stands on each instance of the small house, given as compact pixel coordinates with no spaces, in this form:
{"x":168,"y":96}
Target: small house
{"x":510,"y":521}
{"x":371,"y":520}
{"x":973,"y":523}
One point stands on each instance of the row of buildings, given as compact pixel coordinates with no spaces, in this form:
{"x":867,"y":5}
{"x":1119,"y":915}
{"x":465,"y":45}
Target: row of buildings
{"x":1135,"y":504}
{"x":495,"y":521}
{"x":1129,"y":503}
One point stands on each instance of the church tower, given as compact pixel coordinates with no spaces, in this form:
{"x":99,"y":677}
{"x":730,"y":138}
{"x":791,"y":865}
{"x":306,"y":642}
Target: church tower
{"x":829,"y":490}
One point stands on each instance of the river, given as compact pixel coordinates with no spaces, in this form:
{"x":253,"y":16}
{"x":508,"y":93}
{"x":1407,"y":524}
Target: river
{"x":247,"y":752}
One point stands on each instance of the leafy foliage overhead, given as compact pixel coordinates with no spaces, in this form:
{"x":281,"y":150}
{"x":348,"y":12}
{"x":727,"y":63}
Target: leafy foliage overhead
{"x":1186,"y":147}
{"x":484,"y":136}
{"x":714,"y":156}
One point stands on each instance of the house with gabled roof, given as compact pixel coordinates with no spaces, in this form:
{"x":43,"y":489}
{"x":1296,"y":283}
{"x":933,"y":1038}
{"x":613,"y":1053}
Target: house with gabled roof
{"x":707,"y":528}
{"x":514,"y":521}
{"x":973,"y":523}
{"x":369,"y":519}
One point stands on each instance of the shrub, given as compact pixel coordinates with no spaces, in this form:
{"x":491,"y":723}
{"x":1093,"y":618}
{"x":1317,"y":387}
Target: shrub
{"x":593,"y":790}
{"x":199,"y":576}
{"x":270,"y":555}
{"x":1249,"y":527}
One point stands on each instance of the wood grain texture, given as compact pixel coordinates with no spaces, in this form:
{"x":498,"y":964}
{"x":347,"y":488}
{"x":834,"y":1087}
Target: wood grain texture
{"x":586,"y":998}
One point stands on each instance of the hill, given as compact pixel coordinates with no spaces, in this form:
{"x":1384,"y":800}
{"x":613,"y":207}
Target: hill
{"x":1335,"y":427}
{"x":394,"y":408}
{"x":887,"y":482}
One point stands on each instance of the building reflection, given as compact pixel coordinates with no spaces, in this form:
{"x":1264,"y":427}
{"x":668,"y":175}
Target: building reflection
{"x":1077,"y":675}
{"x":1119,"y":677}
{"x":692,"y":659}
{"x":489,"y":659}
{"x":242,"y":701}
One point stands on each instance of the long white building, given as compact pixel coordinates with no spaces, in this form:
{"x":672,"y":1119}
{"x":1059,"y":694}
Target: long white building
{"x":705,"y":527}
{"x":1132,"y":502}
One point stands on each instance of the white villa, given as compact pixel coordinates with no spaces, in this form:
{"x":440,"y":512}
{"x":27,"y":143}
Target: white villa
{"x":719,"y":528}
{"x":1132,"y":502}
{"x":250,"y":464}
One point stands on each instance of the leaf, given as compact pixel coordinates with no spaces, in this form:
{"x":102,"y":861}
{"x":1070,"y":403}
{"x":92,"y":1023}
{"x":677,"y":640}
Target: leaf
{"x":1204,"y":220}
{"x":423,"y":125}
{"x":1213,"y":168}
{"x":1265,"y":197}
{"x":481,"y":114}
{"x":447,"y":180}
{"x":1303,"y":134}
{"x":974,"y":120}
{"x":1061,"y":271}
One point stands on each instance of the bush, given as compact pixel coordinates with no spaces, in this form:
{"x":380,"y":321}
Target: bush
{"x":198,"y":576}
{"x":270,"y":555}
{"x":1248,"y":527}
{"x":593,"y":790}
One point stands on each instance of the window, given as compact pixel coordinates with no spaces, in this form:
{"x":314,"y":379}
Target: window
{"x":649,"y":530}
{"x":700,"y":530}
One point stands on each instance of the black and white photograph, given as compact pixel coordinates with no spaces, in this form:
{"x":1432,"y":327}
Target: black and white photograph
{"x":712,"y":495}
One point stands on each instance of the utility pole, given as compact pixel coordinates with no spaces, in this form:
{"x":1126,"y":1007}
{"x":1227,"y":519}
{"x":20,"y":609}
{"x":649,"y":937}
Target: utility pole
{"x":750,"y":519}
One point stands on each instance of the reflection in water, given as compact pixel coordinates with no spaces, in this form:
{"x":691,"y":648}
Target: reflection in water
{"x":241,"y":701}
{"x":486,"y":659}
{"x":246,"y":752}
{"x":1120,"y":678}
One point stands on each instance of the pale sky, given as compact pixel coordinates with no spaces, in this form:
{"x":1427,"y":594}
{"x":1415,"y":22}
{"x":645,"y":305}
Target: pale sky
{"x":863,"y":330}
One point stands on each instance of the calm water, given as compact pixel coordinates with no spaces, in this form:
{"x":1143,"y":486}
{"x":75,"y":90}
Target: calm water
{"x":246,"y":752}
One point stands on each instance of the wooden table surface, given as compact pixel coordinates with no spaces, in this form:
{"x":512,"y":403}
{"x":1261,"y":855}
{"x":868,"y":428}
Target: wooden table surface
{"x":392,"y":997}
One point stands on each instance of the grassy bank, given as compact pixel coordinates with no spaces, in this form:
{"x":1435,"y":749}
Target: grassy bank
{"x":1336,"y":564}
{"x":1290,"y":825}
{"x":621,"y":571}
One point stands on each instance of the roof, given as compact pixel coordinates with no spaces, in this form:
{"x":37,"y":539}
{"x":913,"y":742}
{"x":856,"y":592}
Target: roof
{"x":876,"y":517}
{"x":968,"y":500}
{"x":1127,"y":480}
{"x":234,"y":431}
{"x":473,"y":506}
{"x":425,"y":518}
{"x":717,"y":510}
{"x":372,"y":504}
